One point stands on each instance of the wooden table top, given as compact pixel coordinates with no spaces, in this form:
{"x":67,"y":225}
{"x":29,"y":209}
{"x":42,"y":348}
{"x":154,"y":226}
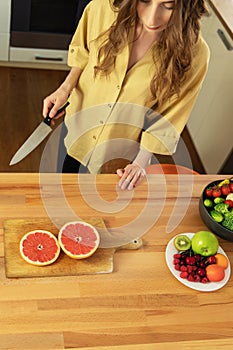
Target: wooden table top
{"x":138,"y":306}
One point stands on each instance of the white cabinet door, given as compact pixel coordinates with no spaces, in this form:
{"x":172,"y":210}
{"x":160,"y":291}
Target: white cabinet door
{"x":211,"y":121}
{"x":5,"y":13}
{"x":39,"y":56}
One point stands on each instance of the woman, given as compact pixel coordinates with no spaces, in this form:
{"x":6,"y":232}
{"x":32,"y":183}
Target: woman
{"x":131,"y":52}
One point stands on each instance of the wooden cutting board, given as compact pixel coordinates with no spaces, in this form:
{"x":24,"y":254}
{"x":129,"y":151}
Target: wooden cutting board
{"x":100,"y":262}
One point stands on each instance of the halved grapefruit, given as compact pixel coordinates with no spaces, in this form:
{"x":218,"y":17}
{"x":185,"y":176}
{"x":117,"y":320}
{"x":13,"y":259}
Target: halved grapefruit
{"x":39,"y":247}
{"x":78,"y":239}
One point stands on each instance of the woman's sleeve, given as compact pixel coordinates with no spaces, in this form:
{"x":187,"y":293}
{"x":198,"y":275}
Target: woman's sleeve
{"x":79,"y":47}
{"x":163,"y":128}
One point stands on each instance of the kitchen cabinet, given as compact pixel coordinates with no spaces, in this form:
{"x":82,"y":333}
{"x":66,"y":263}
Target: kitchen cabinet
{"x":5,"y":6}
{"x":224,"y":10}
{"x":32,"y":55}
{"x":211,"y":123}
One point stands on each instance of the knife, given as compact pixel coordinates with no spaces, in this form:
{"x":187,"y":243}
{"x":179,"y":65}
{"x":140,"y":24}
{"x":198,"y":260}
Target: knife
{"x":38,"y":135}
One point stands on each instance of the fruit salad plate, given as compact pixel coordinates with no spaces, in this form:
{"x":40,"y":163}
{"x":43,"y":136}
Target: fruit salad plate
{"x":204,"y":287}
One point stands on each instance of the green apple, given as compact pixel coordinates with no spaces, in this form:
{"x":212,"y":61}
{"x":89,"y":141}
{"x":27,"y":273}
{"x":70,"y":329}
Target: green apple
{"x":205,"y":243}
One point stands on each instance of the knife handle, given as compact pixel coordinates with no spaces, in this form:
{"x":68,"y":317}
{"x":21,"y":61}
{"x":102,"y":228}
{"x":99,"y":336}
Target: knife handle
{"x":47,"y":120}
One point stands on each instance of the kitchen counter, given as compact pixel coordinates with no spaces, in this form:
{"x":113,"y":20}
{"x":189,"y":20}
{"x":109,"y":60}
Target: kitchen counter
{"x":140,"y":305}
{"x":224,"y":11}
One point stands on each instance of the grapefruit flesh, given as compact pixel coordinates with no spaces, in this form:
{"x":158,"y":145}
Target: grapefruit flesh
{"x":78,"y":239}
{"x":39,"y":248}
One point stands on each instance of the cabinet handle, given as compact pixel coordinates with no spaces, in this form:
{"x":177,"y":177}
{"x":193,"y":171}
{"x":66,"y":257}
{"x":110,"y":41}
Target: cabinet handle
{"x":224,"y":39}
{"x":42,"y":58}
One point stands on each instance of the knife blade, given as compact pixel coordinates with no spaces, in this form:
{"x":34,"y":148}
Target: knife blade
{"x":38,"y":135}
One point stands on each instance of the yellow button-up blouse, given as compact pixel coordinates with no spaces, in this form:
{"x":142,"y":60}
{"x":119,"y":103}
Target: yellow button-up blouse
{"x":109,"y":117}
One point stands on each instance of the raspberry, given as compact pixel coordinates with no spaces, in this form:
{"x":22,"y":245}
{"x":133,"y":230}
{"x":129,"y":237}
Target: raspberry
{"x":189,"y":268}
{"x":176,"y":261}
{"x":184,"y":274}
{"x":190,"y":278}
{"x":204,"y":280}
{"x":183,"y":268}
{"x":197,"y":278}
{"x":192,"y":266}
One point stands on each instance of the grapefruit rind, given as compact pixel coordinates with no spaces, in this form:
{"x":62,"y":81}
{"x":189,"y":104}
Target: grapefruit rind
{"x":36,"y":261}
{"x":76,"y":240}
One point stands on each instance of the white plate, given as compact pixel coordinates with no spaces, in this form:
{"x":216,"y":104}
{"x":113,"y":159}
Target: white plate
{"x":204,"y":287}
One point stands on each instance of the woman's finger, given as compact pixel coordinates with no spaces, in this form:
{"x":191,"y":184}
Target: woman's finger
{"x":131,"y":177}
{"x":138,"y":177}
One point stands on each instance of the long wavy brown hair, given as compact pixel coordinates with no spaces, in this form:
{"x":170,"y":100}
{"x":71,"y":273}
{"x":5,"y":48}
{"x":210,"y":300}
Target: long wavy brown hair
{"x":175,"y":45}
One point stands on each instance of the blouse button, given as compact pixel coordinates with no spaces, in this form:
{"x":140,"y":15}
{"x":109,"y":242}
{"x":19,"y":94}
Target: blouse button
{"x":94,"y":137}
{"x":101,"y":122}
{"x":72,"y":50}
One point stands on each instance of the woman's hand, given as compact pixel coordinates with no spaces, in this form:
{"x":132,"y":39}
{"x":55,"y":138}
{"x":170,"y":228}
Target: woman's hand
{"x":53,"y":102}
{"x":59,"y":97}
{"x":131,"y":176}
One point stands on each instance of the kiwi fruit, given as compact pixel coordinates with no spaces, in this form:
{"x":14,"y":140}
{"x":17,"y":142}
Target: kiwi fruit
{"x":182,"y":242}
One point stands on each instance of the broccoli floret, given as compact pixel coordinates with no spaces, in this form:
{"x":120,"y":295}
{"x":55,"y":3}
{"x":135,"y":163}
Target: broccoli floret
{"x":228,"y":222}
{"x":222,"y":208}
{"x":228,"y":214}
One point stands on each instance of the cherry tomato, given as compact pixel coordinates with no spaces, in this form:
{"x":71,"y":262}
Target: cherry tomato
{"x":216,"y":192}
{"x":229,"y":202}
{"x":209,"y":192}
{"x":225,"y":190}
{"x":231,"y":186}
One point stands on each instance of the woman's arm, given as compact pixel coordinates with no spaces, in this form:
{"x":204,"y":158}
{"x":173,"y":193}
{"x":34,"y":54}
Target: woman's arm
{"x":59,"y":97}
